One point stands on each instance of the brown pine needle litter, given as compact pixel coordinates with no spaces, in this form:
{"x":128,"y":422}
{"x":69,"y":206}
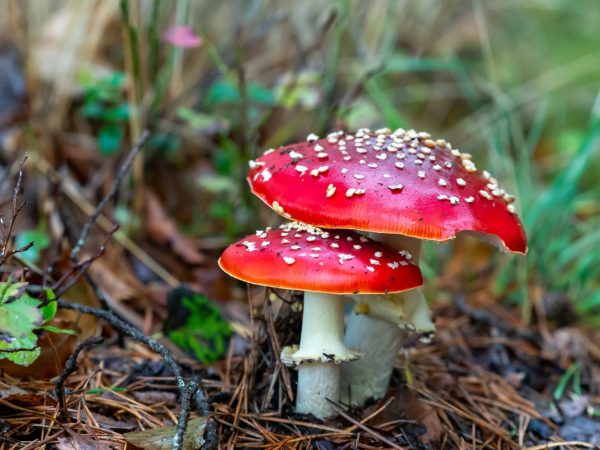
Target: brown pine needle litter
{"x":475,"y":387}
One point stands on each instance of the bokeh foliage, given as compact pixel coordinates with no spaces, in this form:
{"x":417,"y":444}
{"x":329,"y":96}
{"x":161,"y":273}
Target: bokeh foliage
{"x":513,"y":82}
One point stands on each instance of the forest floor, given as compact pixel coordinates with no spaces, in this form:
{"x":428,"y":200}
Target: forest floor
{"x":485,"y":382}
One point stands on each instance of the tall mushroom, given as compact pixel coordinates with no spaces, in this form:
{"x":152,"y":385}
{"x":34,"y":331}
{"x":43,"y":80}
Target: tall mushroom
{"x":325,"y":265}
{"x":404,"y":184}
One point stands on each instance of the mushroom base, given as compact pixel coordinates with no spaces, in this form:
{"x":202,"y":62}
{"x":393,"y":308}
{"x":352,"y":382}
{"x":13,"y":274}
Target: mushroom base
{"x":370,"y":376}
{"x":316,"y":384}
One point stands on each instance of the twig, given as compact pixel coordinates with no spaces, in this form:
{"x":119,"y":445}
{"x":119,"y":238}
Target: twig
{"x":201,"y":402}
{"x":185,"y":390}
{"x":16,"y":350}
{"x":128,"y":330}
{"x":363,"y":427}
{"x":185,"y":397}
{"x":16,"y":208}
{"x":80,"y":268}
{"x":71,"y":367}
{"x":211,"y":437}
{"x":72,"y":191}
{"x":125,"y":167}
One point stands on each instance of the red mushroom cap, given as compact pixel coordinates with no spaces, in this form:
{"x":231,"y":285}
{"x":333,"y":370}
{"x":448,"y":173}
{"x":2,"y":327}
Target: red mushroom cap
{"x":402,"y":183}
{"x":306,"y":258}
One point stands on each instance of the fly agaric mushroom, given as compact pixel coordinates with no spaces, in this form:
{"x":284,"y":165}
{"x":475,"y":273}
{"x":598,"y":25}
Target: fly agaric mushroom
{"x":402,"y":183}
{"x":325,"y":265}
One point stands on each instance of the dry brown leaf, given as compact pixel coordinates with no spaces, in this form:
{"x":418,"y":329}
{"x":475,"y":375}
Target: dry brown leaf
{"x":81,"y":443}
{"x":155,"y":397}
{"x":408,"y":406}
{"x":114,"y":275}
{"x":112,"y":281}
{"x":163,"y":230}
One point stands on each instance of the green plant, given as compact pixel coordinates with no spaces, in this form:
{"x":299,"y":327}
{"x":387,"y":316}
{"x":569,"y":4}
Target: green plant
{"x":196,"y":325}
{"x":22,"y":318}
{"x":563,"y":232}
{"x":104,"y":105}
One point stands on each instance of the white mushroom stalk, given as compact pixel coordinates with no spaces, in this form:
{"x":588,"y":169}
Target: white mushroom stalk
{"x":374,"y":328}
{"x":319,"y":355}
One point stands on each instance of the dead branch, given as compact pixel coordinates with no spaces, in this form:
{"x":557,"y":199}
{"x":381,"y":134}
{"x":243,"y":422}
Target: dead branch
{"x":71,"y":367}
{"x":186,"y":391}
{"x":6,"y":253}
{"x":123,"y":170}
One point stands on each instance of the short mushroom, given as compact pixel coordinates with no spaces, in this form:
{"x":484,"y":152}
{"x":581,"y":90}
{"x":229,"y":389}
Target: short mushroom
{"x":325,"y":265}
{"x":402,"y":183}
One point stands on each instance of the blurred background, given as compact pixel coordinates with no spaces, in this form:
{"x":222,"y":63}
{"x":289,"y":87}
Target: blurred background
{"x":515,"y":83}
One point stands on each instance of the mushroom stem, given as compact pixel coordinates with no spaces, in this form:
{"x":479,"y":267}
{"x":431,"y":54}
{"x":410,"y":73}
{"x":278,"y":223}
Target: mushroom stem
{"x":320,"y":353}
{"x":376,"y":332}
{"x":380,"y":341}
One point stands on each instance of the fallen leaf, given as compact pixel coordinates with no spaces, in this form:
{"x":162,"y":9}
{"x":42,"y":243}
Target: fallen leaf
{"x":105,"y":422}
{"x":162,"y":438}
{"x":162,"y":229}
{"x":406,"y":405}
{"x":112,"y":281}
{"x":155,"y":397}
{"x":79,"y":442}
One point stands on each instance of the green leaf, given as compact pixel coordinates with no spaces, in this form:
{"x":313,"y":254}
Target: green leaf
{"x":117,"y":80}
{"x":22,"y":358}
{"x":195,"y":324}
{"x":54,"y":329}
{"x":110,"y":139}
{"x":119,"y":113}
{"x":10,"y":291}
{"x":20,"y":317}
{"x":589,"y":304}
{"x":260,"y":94}
{"x":572,"y":373}
{"x":103,"y":390}
{"x":222,"y":91}
{"x":49,"y":310}
{"x":50,"y":295}
{"x":164,"y":142}
{"x":92,"y":110}
{"x":40,"y":239}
